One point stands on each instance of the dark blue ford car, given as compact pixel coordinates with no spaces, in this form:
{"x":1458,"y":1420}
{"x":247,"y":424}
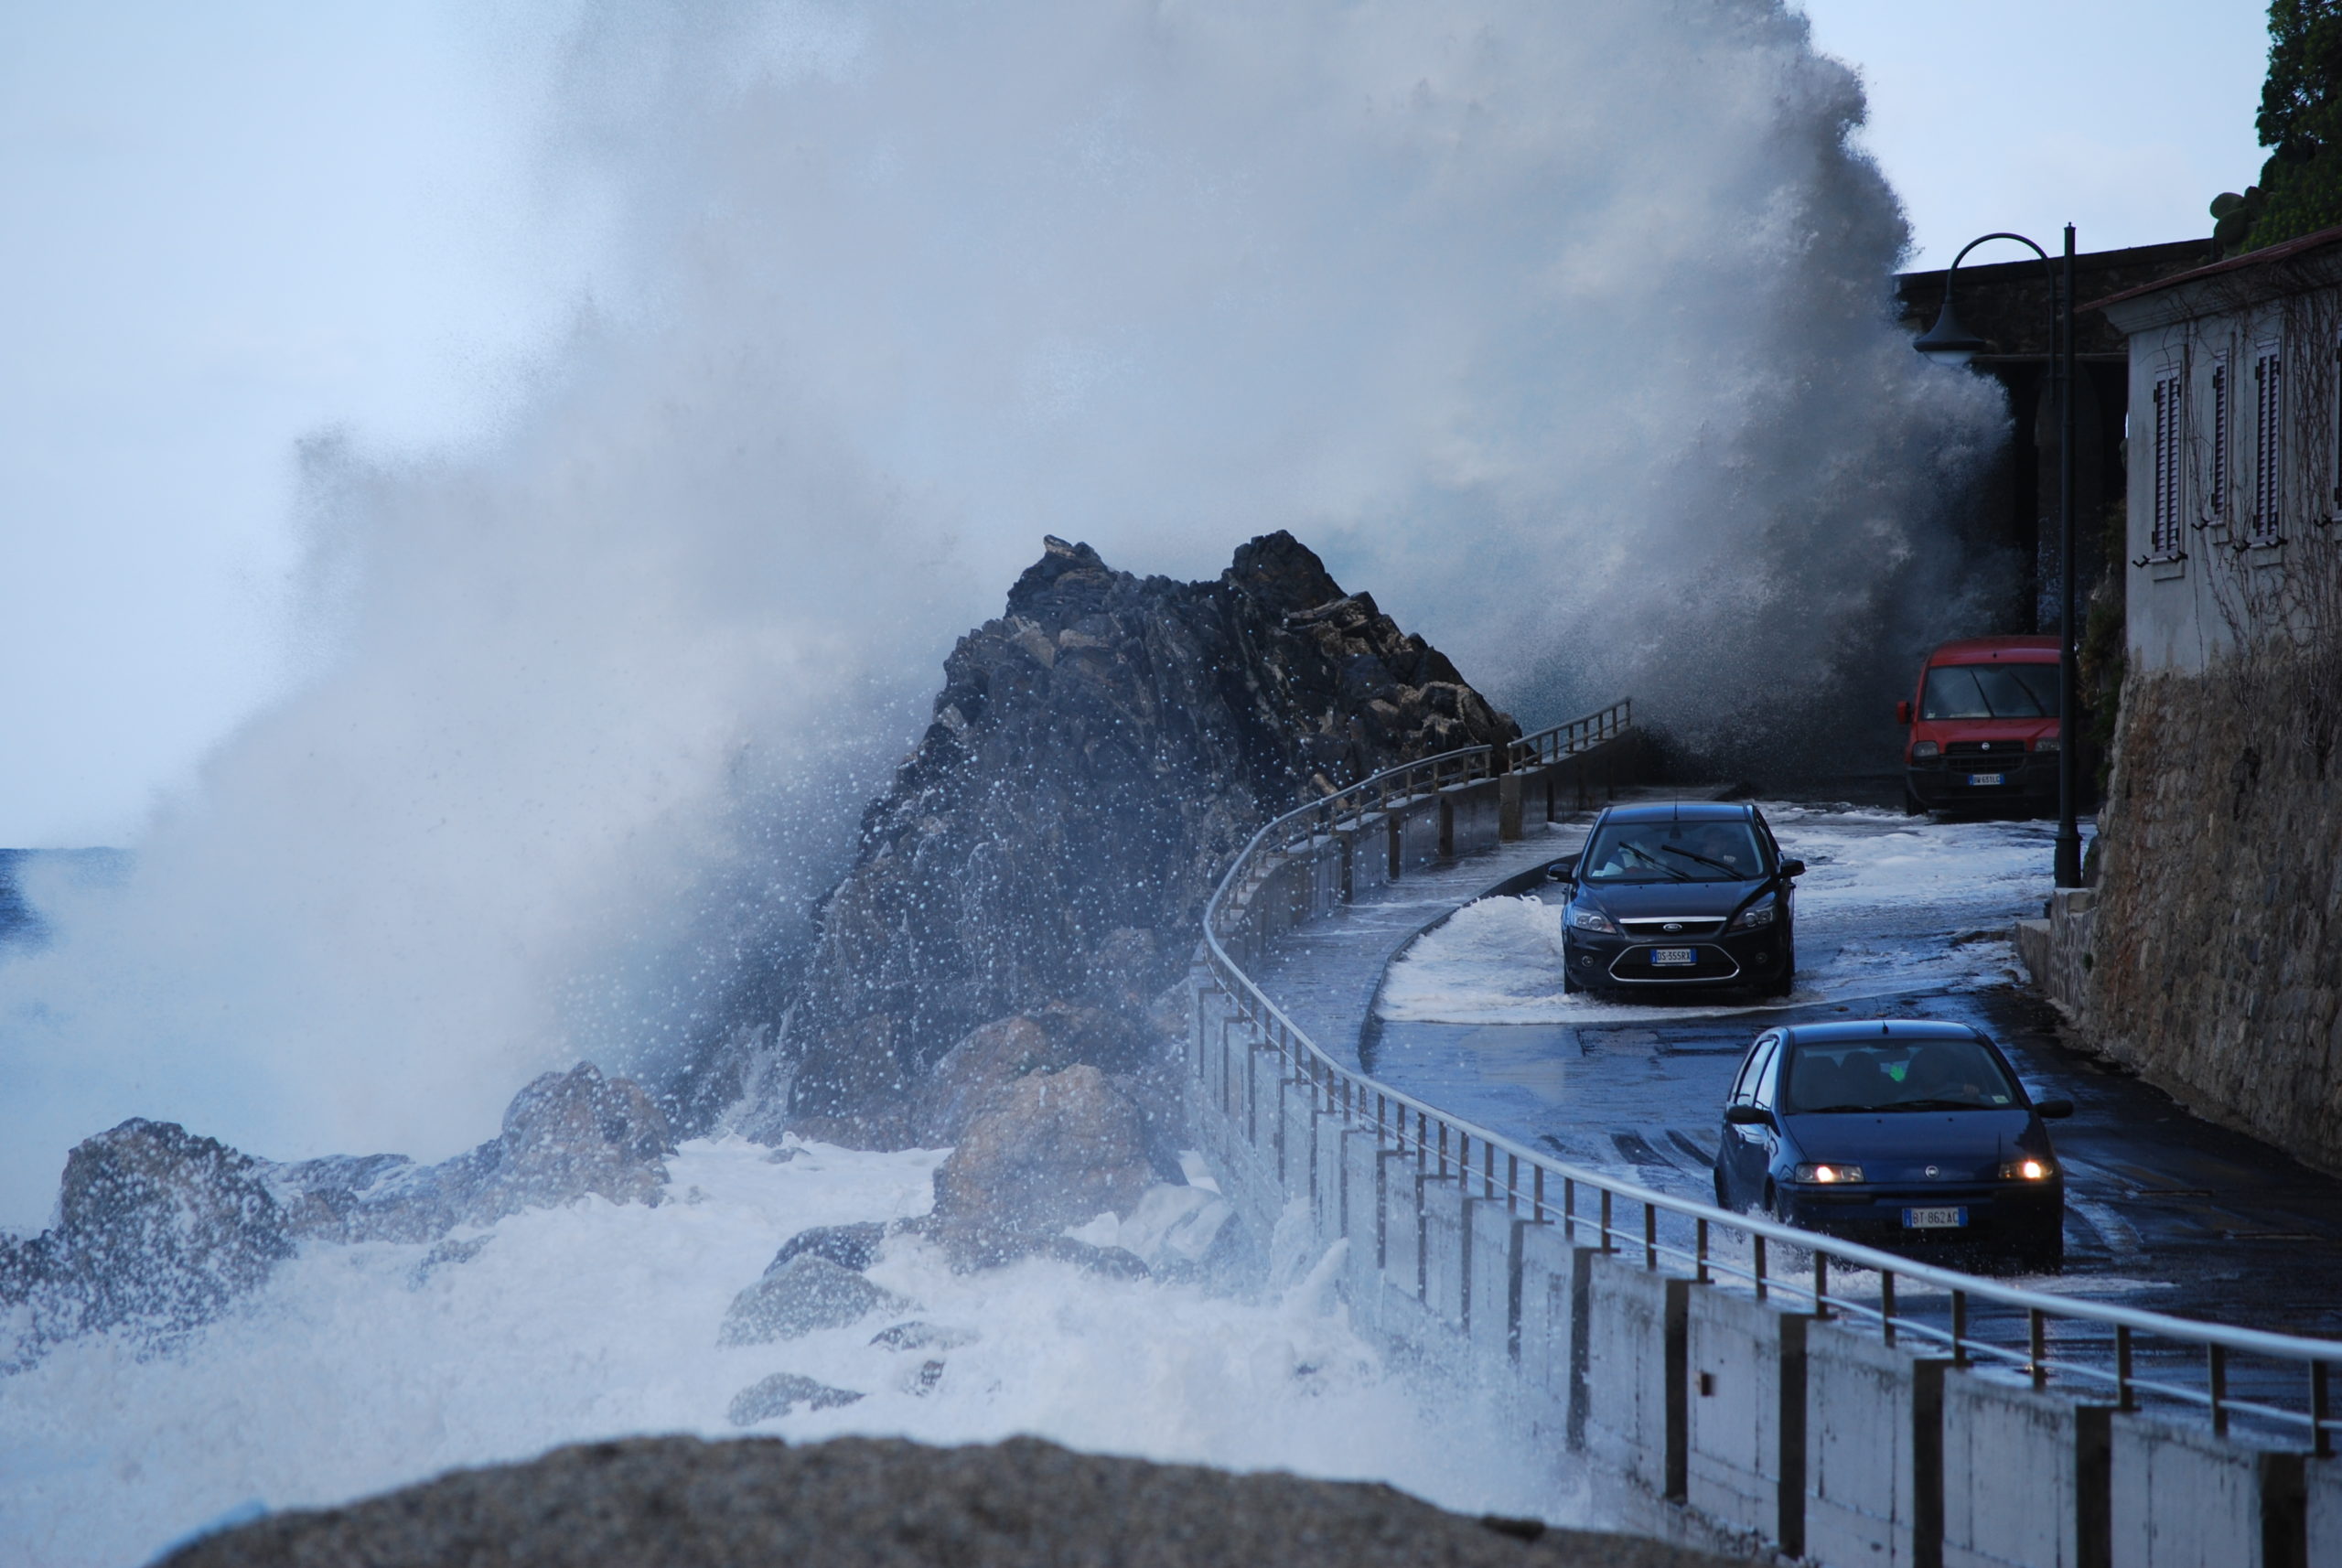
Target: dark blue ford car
{"x":1895,"y":1134}
{"x":1680,"y":894}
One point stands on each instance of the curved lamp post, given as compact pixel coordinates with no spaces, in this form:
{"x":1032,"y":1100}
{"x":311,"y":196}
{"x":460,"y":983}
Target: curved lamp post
{"x":1949,"y":343}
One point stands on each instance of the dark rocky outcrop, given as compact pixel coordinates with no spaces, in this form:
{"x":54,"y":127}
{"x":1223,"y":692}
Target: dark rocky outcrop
{"x":803,"y":1296}
{"x":157,"y":1229}
{"x":565,"y":1136}
{"x":859,"y":1502}
{"x":1097,"y":755}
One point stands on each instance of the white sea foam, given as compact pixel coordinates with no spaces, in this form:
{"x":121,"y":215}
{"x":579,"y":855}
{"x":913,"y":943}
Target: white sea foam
{"x":346,"y":1375}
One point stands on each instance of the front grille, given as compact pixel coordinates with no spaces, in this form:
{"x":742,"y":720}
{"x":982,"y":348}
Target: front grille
{"x":2000,"y":753}
{"x":1667,"y":926}
{"x":1634,"y":967}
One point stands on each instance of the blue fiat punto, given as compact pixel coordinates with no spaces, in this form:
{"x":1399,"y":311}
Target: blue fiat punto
{"x":1896,"y":1133}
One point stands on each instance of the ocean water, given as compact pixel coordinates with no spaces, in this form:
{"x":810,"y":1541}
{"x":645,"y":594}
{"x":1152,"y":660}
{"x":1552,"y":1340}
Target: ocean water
{"x":357,"y":1370}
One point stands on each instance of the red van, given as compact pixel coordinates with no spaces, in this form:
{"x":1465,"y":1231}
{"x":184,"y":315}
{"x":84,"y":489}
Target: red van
{"x":1983,"y":726}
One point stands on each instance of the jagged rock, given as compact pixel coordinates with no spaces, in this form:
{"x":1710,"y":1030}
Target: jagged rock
{"x":886,"y":1503}
{"x":1096,"y":756}
{"x":158,"y":1231}
{"x":851,"y":1247}
{"x":444,"y":1254}
{"x":1107,"y":1263}
{"x":780,"y":1394}
{"x":565,"y":1134}
{"x":1050,"y":1150}
{"x":917,"y":1335}
{"x":805,"y":1295}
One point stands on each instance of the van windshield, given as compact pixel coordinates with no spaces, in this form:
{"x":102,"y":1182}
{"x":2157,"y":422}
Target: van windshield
{"x":1896,"y":1075}
{"x":1672,"y":852}
{"x":1991,"y":692}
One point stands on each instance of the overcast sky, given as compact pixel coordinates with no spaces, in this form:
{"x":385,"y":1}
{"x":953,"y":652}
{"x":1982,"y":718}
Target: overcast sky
{"x":233,"y":225}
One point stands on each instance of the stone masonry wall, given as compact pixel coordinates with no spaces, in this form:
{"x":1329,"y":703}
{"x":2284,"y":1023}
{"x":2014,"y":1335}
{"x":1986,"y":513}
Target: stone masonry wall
{"x":2215,"y":964}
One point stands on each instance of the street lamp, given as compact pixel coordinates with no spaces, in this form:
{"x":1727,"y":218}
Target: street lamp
{"x":1949,"y":343}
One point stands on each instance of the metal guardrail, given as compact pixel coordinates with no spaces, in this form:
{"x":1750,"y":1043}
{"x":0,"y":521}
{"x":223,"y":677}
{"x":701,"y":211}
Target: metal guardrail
{"x":1684,"y":1231}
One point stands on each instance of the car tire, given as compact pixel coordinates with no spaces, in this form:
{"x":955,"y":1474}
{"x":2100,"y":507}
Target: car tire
{"x":1570,"y":987}
{"x":1724,"y":1198}
{"x":1787,"y":981}
{"x":1912,"y":805}
{"x":2043,"y":1254}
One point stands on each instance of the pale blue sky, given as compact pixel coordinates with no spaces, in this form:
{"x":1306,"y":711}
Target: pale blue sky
{"x":233,"y":225}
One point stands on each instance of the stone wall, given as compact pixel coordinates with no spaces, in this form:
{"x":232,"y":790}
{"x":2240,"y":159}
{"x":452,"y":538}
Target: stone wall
{"x":2215,"y":966}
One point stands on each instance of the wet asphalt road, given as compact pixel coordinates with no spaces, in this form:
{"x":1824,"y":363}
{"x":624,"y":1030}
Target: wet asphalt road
{"x":2165,"y":1211}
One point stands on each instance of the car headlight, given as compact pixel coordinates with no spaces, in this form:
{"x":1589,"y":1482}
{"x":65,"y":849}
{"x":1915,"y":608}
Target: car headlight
{"x":1925,"y":751}
{"x":2047,"y":743}
{"x":2028,"y":1170}
{"x":1828,"y":1174}
{"x":1592,"y":920}
{"x":1756,"y":915}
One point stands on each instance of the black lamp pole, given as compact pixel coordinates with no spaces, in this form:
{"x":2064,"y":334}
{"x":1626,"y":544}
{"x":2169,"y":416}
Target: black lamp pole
{"x":1951,"y":343}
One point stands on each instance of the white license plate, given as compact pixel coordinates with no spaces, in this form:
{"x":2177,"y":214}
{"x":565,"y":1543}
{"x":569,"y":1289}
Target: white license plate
{"x":1671,"y":955}
{"x":1933,"y":1218}
{"x":1988,"y":778}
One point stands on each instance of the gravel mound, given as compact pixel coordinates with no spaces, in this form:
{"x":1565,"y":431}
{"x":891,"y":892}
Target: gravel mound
{"x":856,"y":1502}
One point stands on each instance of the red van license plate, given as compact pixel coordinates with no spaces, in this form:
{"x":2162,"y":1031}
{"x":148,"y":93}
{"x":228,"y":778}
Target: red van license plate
{"x":1988,"y":778}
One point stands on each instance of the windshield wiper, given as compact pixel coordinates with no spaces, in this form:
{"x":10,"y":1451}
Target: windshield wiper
{"x":1729,"y":870}
{"x":1828,"y":1109}
{"x":1936,"y":1105}
{"x":1641,"y":854}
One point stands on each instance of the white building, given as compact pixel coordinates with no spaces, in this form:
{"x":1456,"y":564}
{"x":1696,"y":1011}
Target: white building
{"x":2235,"y":448}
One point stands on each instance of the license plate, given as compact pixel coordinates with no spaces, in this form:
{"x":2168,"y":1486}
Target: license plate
{"x":1933,"y":1218}
{"x":1988,"y":778}
{"x":1671,"y":955}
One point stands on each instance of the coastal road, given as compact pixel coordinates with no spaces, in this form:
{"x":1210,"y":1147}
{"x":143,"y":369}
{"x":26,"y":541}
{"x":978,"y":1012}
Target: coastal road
{"x":1899,"y":918}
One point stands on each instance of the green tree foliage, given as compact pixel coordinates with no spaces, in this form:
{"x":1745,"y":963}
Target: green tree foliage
{"x":2301,"y":120}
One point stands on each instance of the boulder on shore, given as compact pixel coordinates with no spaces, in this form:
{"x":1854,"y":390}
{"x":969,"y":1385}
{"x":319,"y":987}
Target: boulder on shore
{"x":157,"y":1229}
{"x":802,"y":1296}
{"x":863,"y":1502}
{"x":782,"y":1392}
{"x":1047,"y":1152}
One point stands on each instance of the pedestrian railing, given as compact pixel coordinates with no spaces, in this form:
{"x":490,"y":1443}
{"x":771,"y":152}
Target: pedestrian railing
{"x":2135,"y":1358}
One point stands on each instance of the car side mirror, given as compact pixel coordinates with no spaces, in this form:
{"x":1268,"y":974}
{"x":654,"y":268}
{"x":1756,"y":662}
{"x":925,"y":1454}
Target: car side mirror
{"x":1747,"y":1116}
{"x":1563,"y":869}
{"x":1792,"y":868}
{"x":1902,"y":712}
{"x":2053,"y":1110}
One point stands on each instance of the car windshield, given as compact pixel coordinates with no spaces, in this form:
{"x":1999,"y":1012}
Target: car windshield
{"x":1991,"y":692}
{"x":1672,"y":852}
{"x":1896,"y":1075}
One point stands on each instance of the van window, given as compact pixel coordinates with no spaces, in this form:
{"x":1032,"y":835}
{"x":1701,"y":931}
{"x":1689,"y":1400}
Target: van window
{"x":1991,"y":692}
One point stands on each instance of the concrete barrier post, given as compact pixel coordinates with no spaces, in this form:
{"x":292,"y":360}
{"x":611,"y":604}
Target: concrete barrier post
{"x":1447,"y":827}
{"x":2025,"y":1476}
{"x":2321,"y":1513}
{"x":1873,"y":1451}
{"x":1402,"y":1229}
{"x":1744,"y":1415}
{"x":1492,"y":1231}
{"x":1553,"y":1287}
{"x":1297,"y":1138}
{"x":1444,"y":1258}
{"x":1632,"y":1388}
{"x":1509,"y":808}
{"x":2179,"y":1497}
